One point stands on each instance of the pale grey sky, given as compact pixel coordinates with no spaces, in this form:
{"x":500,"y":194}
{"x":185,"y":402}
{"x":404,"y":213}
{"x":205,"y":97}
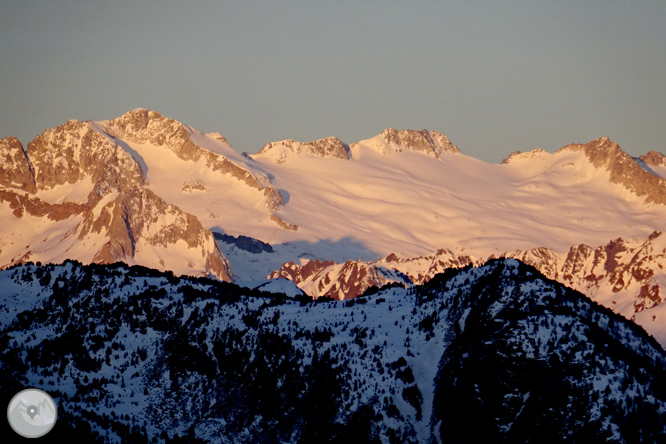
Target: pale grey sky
{"x":494,"y":76}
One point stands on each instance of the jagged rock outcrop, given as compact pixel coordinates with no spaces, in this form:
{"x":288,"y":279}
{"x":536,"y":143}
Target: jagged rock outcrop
{"x":619,"y":266}
{"x":282,"y":224}
{"x":114,"y":213}
{"x":351,"y":278}
{"x":623,"y":169}
{"x":15,"y":169}
{"x":145,"y":221}
{"x":330,"y":147}
{"x":389,"y":141}
{"x":70,"y":152}
{"x":392,"y":140}
{"x":144,"y":126}
{"x":627,"y":276}
{"x":300,"y":273}
{"x":654,"y":158}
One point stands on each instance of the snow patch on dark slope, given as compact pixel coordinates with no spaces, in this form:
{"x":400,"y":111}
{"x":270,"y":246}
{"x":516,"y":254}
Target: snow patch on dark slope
{"x":496,"y":353}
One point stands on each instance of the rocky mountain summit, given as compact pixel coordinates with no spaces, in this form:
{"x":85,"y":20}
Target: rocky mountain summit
{"x":330,"y":147}
{"x":142,"y":126}
{"x":389,"y":141}
{"x":76,"y":192}
{"x":654,"y":158}
{"x":395,"y":141}
{"x":605,"y":154}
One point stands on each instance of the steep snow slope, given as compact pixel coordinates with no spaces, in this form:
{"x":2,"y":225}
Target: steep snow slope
{"x":199,"y":173}
{"x":76,"y":193}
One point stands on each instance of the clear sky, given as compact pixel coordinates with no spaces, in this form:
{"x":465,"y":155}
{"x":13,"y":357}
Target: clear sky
{"x":494,"y":76}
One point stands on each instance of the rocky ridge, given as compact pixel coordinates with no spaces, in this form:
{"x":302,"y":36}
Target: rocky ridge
{"x":654,"y":158}
{"x":87,"y":182}
{"x":15,"y":169}
{"x":429,"y":142}
{"x":330,"y":147}
{"x":627,"y":276}
{"x":114,"y":211}
{"x":603,"y":153}
{"x":144,"y":126}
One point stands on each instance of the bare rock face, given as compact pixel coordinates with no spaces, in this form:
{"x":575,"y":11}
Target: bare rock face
{"x":282,"y":224}
{"x":15,"y":169}
{"x":545,"y":259}
{"x":428,"y":142}
{"x":389,"y":141}
{"x":144,"y":126}
{"x":329,"y":279}
{"x":300,"y":273}
{"x":22,"y":203}
{"x":330,"y":147}
{"x":148,"y":219}
{"x":128,"y":219}
{"x":74,"y":150}
{"x":352,"y":278}
{"x":654,"y":158}
{"x":622,"y":266}
{"x":634,"y":270}
{"x":623,"y":169}
{"x":193,"y":187}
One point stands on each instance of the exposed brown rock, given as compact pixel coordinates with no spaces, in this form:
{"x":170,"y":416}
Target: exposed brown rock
{"x":603,"y":153}
{"x":22,"y":203}
{"x":134,"y":216}
{"x":282,"y":224}
{"x":392,"y":258}
{"x":70,"y":152}
{"x":298,"y":273}
{"x":193,"y":186}
{"x":527,"y":155}
{"x":144,"y":126}
{"x":616,"y":266}
{"x":654,"y":158}
{"x":75,"y":151}
{"x":330,"y":147}
{"x":429,"y":142}
{"x":15,"y":169}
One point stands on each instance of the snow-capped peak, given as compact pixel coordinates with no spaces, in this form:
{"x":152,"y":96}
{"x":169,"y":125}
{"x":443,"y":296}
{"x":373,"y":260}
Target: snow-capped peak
{"x":529,"y":155}
{"x":624,"y":170}
{"x":329,"y":147}
{"x":391,"y":141}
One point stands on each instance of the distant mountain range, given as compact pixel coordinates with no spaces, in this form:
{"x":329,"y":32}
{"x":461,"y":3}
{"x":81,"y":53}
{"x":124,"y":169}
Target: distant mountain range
{"x":401,"y":206}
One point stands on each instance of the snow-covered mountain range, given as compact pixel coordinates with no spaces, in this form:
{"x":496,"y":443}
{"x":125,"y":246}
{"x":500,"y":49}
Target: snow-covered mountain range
{"x":478,"y":333}
{"x":497,"y":353}
{"x":78,"y":192}
{"x":148,"y":190}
